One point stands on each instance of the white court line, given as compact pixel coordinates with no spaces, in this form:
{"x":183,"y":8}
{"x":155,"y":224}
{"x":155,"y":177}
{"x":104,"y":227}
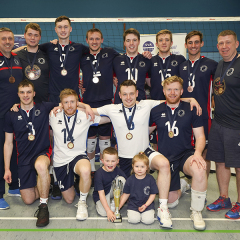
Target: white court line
{"x":104,"y":218}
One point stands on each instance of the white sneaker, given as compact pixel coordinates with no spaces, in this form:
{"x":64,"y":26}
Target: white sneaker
{"x":112,"y":205}
{"x":164,"y":216}
{"x":184,"y":185}
{"x":82,"y":212}
{"x":198,"y":222}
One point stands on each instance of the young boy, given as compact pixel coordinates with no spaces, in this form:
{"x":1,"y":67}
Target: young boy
{"x":103,"y":178}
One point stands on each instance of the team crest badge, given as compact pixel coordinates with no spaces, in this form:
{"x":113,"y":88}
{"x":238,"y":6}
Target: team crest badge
{"x":174,"y":63}
{"x":203,"y":68}
{"x":142,"y":64}
{"x":230,"y":72}
{"x":181,"y":113}
{"x":71,"y":49}
{"x":41,"y":60}
{"x":219,"y":87}
{"x":16,"y":61}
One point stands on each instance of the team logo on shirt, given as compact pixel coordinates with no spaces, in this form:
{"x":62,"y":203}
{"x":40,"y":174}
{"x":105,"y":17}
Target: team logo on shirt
{"x":142,"y":64}
{"x":78,"y":121}
{"x":163,"y":115}
{"x":146,"y":190}
{"x":71,"y":48}
{"x":59,"y":122}
{"x":16,"y":61}
{"x":19,"y":117}
{"x":174,"y":63}
{"x":41,"y":60}
{"x":181,"y":113}
{"x":37,"y":112}
{"x":1,"y":63}
{"x":185,"y":68}
{"x":218,"y":86}
{"x":56,"y":49}
{"x":105,"y":55}
{"x":230,"y":72}
{"x":122,"y":63}
{"x":203,"y":68}
{"x":155,"y":64}
{"x":88,"y":58}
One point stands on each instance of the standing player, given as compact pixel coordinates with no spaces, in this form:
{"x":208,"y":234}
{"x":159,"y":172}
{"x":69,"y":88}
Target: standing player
{"x":31,"y":129}
{"x":175,"y":123}
{"x":132,"y":65}
{"x":164,"y":64}
{"x":10,"y":77}
{"x":224,"y":147}
{"x":97,"y":69}
{"x":197,"y":73}
{"x":70,"y":129}
{"x":35,"y":62}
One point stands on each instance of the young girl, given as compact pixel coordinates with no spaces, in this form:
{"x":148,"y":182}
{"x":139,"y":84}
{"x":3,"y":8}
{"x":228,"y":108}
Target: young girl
{"x":141,"y":189}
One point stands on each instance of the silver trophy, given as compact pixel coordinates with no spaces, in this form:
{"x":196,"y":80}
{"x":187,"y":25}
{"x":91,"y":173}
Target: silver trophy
{"x":117,"y":186}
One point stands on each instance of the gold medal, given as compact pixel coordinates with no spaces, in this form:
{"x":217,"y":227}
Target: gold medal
{"x":95,"y":79}
{"x":220,"y":90}
{"x":31,"y":137}
{"x":70,"y":145}
{"x":190,"y":89}
{"x":64,"y":72}
{"x":129,"y":136}
{"x":12,"y":79}
{"x":171,"y":134}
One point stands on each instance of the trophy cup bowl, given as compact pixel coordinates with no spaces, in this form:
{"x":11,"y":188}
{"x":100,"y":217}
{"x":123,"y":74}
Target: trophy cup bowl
{"x":117,"y":188}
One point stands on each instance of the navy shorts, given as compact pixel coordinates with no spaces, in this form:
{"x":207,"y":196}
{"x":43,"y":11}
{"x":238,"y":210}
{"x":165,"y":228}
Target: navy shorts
{"x":27,"y":175}
{"x":177,"y":166}
{"x":224,"y":145}
{"x":125,"y":164}
{"x":104,"y":129}
{"x":65,"y":173}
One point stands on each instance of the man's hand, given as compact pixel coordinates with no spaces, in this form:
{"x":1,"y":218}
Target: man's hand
{"x":111,"y":216}
{"x":14,"y":108}
{"x":198,"y":159}
{"x":147,"y":54}
{"x":90,"y":112}
{"x":55,"y":41}
{"x":194,"y":103}
{"x":56,"y":110}
{"x":8,"y":176}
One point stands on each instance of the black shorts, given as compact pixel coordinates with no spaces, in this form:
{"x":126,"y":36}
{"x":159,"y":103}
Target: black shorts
{"x":177,"y":166}
{"x":65,"y":173}
{"x":224,"y":145}
{"x":104,"y":129}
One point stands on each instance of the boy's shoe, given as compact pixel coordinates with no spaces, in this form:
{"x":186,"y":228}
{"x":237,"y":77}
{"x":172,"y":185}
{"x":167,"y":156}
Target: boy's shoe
{"x":3,"y":204}
{"x":219,"y":204}
{"x":82,"y":213}
{"x":14,"y":193}
{"x":198,"y":222}
{"x":164,"y":217}
{"x":234,"y":213}
{"x":56,"y":193}
{"x":42,"y":215}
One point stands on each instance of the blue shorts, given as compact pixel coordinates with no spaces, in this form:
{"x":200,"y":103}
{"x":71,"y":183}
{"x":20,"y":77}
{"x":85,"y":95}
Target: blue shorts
{"x":104,"y":129}
{"x":224,"y":145}
{"x":177,"y":166}
{"x":65,"y":173}
{"x":27,"y":173}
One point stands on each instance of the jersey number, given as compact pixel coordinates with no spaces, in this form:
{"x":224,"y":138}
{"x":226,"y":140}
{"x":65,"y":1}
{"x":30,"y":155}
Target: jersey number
{"x":130,"y":76}
{"x":167,"y":75}
{"x":65,"y":138}
{"x":174,"y":128}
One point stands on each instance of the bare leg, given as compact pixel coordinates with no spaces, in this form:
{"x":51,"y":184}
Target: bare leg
{"x":238,"y":182}
{"x":29,"y":195}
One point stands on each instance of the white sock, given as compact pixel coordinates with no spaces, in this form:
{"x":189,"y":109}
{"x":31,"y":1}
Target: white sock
{"x":83,"y":196}
{"x":162,"y":201}
{"x":92,"y":162}
{"x":43,"y":200}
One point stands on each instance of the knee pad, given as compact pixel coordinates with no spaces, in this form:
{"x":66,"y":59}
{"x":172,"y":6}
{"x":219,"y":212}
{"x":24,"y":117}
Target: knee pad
{"x":91,"y":145}
{"x":104,"y":144}
{"x":198,"y":200}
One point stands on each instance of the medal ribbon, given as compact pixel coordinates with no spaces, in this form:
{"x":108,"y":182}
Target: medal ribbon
{"x":34,"y":58}
{"x":61,"y":56}
{"x":164,"y":71}
{"x":9,"y":68}
{"x":29,"y":126}
{"x":96,"y":65}
{"x":129,"y":123}
{"x":130,"y":67}
{"x":230,"y":64}
{"x":70,"y":133}
{"x":171,"y":117}
{"x":190,"y":77}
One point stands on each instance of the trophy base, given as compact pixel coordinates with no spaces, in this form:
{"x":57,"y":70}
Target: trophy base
{"x":118,"y":220}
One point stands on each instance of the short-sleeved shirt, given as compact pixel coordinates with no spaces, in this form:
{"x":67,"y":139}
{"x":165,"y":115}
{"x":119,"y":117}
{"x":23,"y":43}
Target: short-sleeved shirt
{"x":41,"y":83}
{"x":227,"y":104}
{"x":15,"y":123}
{"x":185,"y":121}
{"x":8,"y":91}
{"x":139,"y":127}
{"x":201,"y":83}
{"x":103,"y":89}
{"x":62,"y":154}
{"x":140,"y":190}
{"x":103,"y":181}
{"x":123,"y":72}
{"x":173,"y":62}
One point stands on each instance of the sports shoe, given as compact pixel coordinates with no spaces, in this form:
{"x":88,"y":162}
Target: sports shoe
{"x":82,"y":212}
{"x":164,"y":217}
{"x":198,"y":222}
{"x":14,"y":193}
{"x":184,"y":185}
{"x":219,"y":204}
{"x":42,"y":215}
{"x":234,"y":213}
{"x":3,"y":204}
{"x":56,"y":193}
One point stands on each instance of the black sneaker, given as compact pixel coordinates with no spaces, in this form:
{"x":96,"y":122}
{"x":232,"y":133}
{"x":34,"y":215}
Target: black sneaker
{"x":56,"y":193}
{"x":42,"y":215}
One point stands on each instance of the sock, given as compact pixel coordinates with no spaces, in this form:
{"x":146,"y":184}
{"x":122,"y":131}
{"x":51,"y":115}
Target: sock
{"x":43,"y":200}
{"x":162,"y":201}
{"x":92,"y":162}
{"x":198,"y":200}
{"x":83,"y":196}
